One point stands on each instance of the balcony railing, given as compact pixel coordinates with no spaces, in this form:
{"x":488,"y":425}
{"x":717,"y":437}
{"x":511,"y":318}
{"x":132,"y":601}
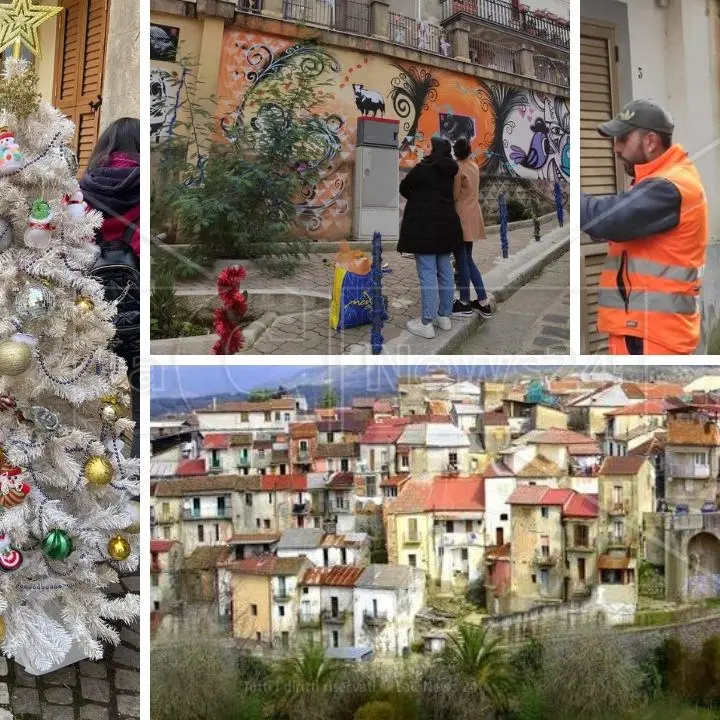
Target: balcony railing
{"x":550,"y":70}
{"x":533,"y":24}
{"x":618,"y":541}
{"x":337,"y":618}
{"x":461,"y":539}
{"x":350,"y":16}
{"x":495,"y":57}
{"x":249,"y":6}
{"x":580,"y":589}
{"x":375,"y":619}
{"x":542,"y":559}
{"x":308,"y":621}
{"x":303,"y":456}
{"x":301,"y":508}
{"x":207,"y":514}
{"x":411,"y":538}
{"x":619,"y":508}
{"x":414,"y":33}
{"x":282,"y":595}
{"x":584,"y":545}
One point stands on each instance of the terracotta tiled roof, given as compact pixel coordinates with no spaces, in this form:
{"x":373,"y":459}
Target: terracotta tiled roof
{"x":652,"y":391}
{"x":461,"y":494}
{"x":558,"y":436}
{"x":344,"y":541}
{"x":268,"y":565}
{"x":201,"y":484}
{"x":303,"y":430}
{"x":393,"y":480}
{"x":254,"y":539}
{"x":498,"y":552}
{"x":206,"y":557}
{"x":654,"y":444}
{"x":495,"y":418}
{"x":216,"y":441}
{"x":438,"y":407}
{"x":382,"y":406}
{"x":591,"y":448}
{"x":622,"y":465}
{"x":691,"y":432}
{"x":581,"y":505}
{"x":412,"y":498}
{"x":497,"y":469}
{"x":538,"y":495}
{"x":337,"y":450}
{"x":340,"y":481}
{"x":161,"y":546}
{"x":263,"y":406}
{"x":273,"y":483}
{"x":348,"y":423}
{"x":382,"y":434}
{"x":540,"y":466}
{"x":647,"y":407}
{"x":194,"y":466}
{"x":337,"y":576}
{"x":363,"y":402}
{"x":613,"y":562}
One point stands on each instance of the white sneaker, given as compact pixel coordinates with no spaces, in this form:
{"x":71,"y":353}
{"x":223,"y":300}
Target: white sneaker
{"x":442,"y":322}
{"x":416,"y":327}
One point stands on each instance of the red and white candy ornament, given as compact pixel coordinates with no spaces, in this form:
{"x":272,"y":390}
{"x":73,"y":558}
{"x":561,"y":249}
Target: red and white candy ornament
{"x":10,"y":558}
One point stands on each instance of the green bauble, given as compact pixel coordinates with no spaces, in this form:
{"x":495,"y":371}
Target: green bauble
{"x":57,"y":545}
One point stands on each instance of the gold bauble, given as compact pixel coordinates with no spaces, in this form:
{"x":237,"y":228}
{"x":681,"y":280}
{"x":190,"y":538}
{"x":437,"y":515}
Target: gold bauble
{"x":118,"y":548}
{"x":98,"y":470}
{"x":109,"y":413}
{"x":15,"y":357}
{"x":2,"y":628}
{"x":84,"y":303}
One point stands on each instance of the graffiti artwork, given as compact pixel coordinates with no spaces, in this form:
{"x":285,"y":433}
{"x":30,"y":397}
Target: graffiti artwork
{"x":514,"y":133}
{"x":164,"y":42}
{"x":164,"y":98}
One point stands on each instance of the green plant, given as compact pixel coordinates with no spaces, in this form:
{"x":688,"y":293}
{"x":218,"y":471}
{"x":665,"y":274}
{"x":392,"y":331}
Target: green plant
{"x":475,"y":593}
{"x":169,"y":316}
{"x":517,"y":211}
{"x":650,"y":581}
{"x":417,"y":647}
{"x":376,"y":710}
{"x":528,"y":659}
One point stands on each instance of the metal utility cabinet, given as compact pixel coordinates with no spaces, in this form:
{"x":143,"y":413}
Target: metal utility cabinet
{"x":376,"y":201}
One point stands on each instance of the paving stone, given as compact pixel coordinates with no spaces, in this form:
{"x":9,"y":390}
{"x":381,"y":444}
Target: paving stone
{"x":545,"y":342}
{"x":58,"y":712}
{"x":128,"y":705}
{"x":130,"y":636}
{"x":65,"y":676}
{"x":126,"y":656}
{"x":561,"y":332}
{"x":26,"y":700}
{"x":557,"y":319}
{"x":95,"y":689}
{"x":127,"y":680}
{"x":4,"y":694}
{"x":93,"y":712}
{"x":59,"y":696}
{"x":93,"y":669}
{"x":23,"y":678}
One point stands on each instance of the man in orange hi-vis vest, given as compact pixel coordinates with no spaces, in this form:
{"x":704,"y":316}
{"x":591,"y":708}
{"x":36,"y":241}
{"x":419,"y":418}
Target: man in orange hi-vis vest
{"x":657,"y":234}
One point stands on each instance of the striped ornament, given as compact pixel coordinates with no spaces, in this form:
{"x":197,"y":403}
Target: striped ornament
{"x":12,"y":489}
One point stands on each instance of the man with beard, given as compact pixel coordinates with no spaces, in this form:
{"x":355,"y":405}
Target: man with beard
{"x":657,"y":235}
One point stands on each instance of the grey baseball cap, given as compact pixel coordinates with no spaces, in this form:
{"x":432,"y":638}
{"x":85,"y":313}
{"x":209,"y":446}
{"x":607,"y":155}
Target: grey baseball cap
{"x":638,"y":115}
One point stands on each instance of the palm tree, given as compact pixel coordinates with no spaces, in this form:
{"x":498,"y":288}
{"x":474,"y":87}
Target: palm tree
{"x":473,"y":655}
{"x":311,"y":669}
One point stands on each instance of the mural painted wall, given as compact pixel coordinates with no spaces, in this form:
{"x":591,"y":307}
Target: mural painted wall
{"x":515,"y":133}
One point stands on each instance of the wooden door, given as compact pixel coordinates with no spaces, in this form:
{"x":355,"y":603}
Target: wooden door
{"x":599,"y":171}
{"x":79,"y":63}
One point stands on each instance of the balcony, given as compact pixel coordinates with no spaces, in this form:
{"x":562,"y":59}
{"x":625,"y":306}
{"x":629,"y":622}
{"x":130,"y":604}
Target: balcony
{"x":350,"y":16}
{"x":580,"y":589}
{"x":308,"y":622}
{"x":166,"y":518}
{"x":537,"y":25}
{"x":282,"y":595}
{"x":337,"y":618}
{"x":215,"y":467}
{"x":207,"y":514}
{"x":689,"y":471}
{"x":411,"y":539}
{"x":619,"y":508}
{"x":303,"y":457}
{"x":618,"y":541}
{"x":340,"y":510}
{"x":300,"y":508}
{"x":582,"y":545}
{"x":464,"y":539}
{"x":542,"y":559}
{"x":375,"y":619}
{"x":243,"y":462}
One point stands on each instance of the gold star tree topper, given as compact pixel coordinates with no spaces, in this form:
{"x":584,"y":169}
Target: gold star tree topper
{"x":19,"y":23}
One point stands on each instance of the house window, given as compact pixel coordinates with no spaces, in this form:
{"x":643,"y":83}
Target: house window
{"x":258,"y":637}
{"x":335,"y":639}
{"x":545,"y":512}
{"x":533,"y":577}
{"x":266,"y":524}
{"x":253,"y":610}
{"x":248,"y":499}
{"x":217,"y":533}
{"x":581,"y":536}
{"x":156,"y":605}
{"x":412,"y":529}
{"x":166,"y":533}
{"x":701,"y":458}
{"x":270,"y":498}
{"x":372,"y":458}
{"x":453,"y":459}
{"x":331,"y":437}
{"x":370,"y":488}
{"x":503,"y":516}
{"x":305,"y":591}
{"x":303,"y":446}
{"x":404,"y":462}
{"x":464,"y":554}
{"x":281,"y":610}
{"x":277,"y":417}
{"x":617,"y":494}
{"x":344,"y":465}
{"x":339,"y":500}
{"x":412,"y":560}
{"x":581,"y":569}
{"x":343,"y":556}
{"x":383,"y":457}
{"x":155,"y":580}
{"x":545,"y":545}
{"x":244,"y":417}
{"x":448,"y":526}
{"x":287,"y":417}
{"x":257,"y":522}
{"x":268,"y":417}
{"x":201,"y":533}
{"x":544,"y":576}
{"x":618,"y":529}
{"x":468,"y":526}
{"x":196,"y":507}
{"x":326,"y":557}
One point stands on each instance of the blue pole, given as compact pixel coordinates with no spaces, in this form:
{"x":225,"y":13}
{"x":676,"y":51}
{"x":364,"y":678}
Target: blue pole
{"x":378,"y":311}
{"x":558,"y":203}
{"x":503,"y":226}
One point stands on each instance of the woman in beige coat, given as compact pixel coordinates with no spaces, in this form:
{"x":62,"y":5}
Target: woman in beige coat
{"x":467,"y":205}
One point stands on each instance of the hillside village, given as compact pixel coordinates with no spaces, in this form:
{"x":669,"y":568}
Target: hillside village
{"x":373,"y":529}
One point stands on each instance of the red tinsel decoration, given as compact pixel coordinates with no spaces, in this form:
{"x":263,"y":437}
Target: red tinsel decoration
{"x":227,"y":317}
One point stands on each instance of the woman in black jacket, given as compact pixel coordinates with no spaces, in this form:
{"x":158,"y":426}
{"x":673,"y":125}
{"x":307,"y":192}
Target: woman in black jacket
{"x":431,"y":230}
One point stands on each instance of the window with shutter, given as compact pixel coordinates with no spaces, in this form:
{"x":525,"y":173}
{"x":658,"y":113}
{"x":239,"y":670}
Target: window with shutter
{"x":599,"y":172}
{"x":79,"y":62}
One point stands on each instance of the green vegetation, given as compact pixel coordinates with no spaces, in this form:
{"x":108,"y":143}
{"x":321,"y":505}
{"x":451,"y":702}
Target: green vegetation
{"x":651,"y":583}
{"x":589,"y":676}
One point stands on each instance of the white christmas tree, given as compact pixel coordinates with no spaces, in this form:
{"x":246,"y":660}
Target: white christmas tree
{"x":68,"y":523}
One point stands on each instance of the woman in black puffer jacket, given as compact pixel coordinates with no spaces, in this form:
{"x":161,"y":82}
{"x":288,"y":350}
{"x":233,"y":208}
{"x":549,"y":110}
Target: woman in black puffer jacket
{"x":431,"y":231}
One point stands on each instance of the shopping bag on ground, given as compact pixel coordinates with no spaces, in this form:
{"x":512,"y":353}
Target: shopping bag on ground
{"x":355,"y":261}
{"x":351,"y":303}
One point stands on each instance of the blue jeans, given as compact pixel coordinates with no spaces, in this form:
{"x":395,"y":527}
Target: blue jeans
{"x":468,"y":271}
{"x":437,"y":285}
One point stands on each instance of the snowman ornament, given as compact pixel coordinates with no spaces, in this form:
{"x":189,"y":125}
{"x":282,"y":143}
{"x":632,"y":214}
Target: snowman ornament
{"x":40,"y":226}
{"x":11,"y":159}
{"x":75,"y":205}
